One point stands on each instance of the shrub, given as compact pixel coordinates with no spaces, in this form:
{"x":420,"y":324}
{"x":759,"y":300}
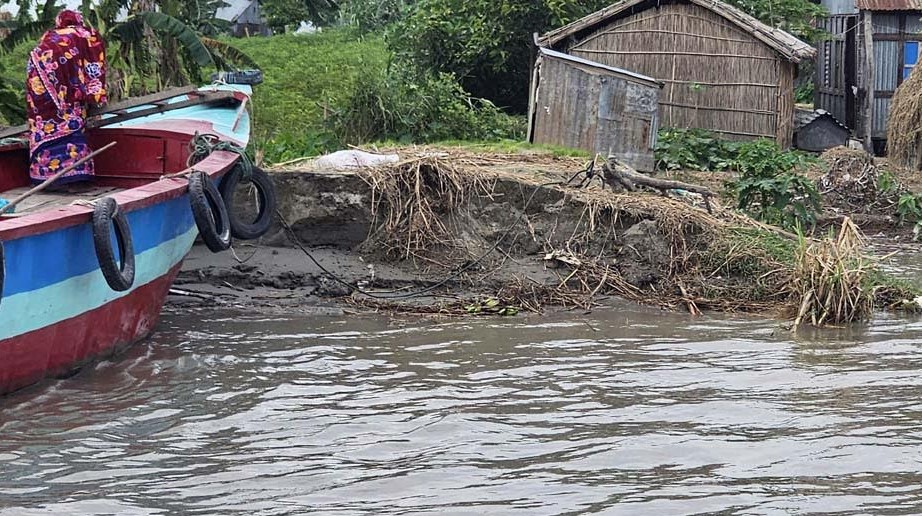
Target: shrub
{"x":373,"y":16}
{"x":412,"y":106}
{"x":486,"y":44}
{"x":769,"y":187}
{"x":909,"y":207}
{"x":693,"y":149}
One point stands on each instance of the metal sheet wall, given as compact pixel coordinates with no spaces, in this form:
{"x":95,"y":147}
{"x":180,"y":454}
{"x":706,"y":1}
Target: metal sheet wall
{"x":588,"y":108}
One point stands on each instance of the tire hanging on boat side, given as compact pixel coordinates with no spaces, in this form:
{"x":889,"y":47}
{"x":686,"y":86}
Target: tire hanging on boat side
{"x":107,"y":215}
{"x":266,"y":202}
{"x":209,"y":212}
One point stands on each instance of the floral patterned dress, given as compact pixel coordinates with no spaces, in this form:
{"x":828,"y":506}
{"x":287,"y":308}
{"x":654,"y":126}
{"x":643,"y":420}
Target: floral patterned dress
{"x":66,"y":75}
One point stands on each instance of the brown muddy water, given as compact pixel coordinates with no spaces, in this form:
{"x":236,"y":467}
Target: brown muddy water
{"x":628,"y":411}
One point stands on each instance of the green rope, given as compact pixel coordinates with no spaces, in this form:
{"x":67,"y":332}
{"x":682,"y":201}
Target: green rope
{"x":202,"y":145}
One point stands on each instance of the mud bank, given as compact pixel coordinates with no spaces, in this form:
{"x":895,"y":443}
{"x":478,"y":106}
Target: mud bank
{"x":454,"y":232}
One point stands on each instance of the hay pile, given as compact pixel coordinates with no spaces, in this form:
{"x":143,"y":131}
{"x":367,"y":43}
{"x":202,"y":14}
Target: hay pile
{"x":852,"y":182}
{"x":904,"y":127}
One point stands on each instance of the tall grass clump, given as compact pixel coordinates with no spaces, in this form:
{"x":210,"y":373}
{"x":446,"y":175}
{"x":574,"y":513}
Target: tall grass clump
{"x":833,"y":278}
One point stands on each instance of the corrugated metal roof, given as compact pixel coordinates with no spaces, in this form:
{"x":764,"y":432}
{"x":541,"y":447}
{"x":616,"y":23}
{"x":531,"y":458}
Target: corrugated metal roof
{"x":782,"y":42}
{"x":627,"y":73}
{"x":889,"y":5}
{"x":804,"y":117}
{"x":233,"y":9}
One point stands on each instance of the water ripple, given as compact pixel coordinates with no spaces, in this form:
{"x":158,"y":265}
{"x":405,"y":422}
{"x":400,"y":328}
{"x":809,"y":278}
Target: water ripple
{"x":629,"y":412}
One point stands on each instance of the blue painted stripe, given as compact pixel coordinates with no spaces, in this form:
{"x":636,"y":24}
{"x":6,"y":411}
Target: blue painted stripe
{"x":222,"y":118}
{"x":30,"y":311}
{"x":35,"y":262}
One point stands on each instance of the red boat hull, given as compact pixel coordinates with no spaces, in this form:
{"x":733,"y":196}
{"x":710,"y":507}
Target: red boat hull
{"x":62,"y":348}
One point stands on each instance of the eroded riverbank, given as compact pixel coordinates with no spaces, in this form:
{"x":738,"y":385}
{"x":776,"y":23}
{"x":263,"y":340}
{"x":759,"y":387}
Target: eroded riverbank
{"x":494,"y":233}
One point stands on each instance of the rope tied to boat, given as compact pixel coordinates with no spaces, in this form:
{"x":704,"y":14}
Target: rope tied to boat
{"x":203,"y":144}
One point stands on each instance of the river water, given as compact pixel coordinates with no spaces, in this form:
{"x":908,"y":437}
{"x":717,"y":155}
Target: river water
{"x":630,"y":411}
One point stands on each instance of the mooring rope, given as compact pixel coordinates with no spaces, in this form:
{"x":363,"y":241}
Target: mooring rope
{"x":202,"y":145}
{"x":395,"y":294}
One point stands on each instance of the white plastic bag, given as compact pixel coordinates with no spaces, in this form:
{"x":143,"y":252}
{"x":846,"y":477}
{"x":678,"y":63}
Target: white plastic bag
{"x":346,"y":159}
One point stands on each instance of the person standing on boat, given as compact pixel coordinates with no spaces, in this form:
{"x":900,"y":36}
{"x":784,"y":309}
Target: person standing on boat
{"x":66,"y":75}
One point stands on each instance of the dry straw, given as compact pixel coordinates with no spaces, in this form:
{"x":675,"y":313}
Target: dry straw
{"x":904,"y":127}
{"x":425,"y":208}
{"x":831,"y":278}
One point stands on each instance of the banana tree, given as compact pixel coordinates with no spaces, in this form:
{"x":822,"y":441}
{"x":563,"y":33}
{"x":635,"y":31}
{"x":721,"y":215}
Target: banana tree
{"x":153,"y":47}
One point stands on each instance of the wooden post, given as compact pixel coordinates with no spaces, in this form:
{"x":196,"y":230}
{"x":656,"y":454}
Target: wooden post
{"x":533,"y":92}
{"x":869,"y":80}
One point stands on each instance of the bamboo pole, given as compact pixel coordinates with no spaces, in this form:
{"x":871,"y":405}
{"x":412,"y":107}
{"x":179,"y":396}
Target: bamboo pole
{"x":53,"y":178}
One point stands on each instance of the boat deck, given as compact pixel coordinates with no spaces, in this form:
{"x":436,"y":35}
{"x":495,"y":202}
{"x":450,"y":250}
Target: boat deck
{"x":45,"y":200}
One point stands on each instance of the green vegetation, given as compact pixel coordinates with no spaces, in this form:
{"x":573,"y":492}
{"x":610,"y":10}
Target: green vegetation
{"x":909,"y":207}
{"x":324,"y":91}
{"x":407,"y":105}
{"x":794,"y":16}
{"x":770,"y":188}
{"x":693,"y":149}
{"x":804,"y":93}
{"x":769,"y":185}
{"x":307,"y":79}
{"x":487,"y":44}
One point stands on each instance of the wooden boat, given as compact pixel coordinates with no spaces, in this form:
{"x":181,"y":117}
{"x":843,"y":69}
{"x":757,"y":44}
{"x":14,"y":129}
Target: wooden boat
{"x":85,"y":274}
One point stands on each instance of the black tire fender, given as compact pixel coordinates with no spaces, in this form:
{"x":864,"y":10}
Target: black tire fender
{"x":266,"y":200}
{"x":106,"y":215}
{"x":209,"y":212}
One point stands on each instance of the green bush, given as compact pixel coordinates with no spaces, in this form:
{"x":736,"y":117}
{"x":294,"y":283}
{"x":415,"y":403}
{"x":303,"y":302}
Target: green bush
{"x":693,"y":149}
{"x":372,"y":16}
{"x":411,"y":106}
{"x":486,"y":44}
{"x":909,"y":207}
{"x":804,"y":93}
{"x":769,"y":187}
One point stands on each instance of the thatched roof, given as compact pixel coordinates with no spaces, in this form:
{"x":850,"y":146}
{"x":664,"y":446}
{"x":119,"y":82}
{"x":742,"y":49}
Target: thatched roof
{"x":785,"y":44}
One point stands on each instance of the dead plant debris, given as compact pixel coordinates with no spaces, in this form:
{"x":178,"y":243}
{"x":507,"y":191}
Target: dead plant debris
{"x":662,"y":250}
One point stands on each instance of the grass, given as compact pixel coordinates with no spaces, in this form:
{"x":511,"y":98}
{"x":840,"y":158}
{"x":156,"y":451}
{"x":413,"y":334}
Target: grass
{"x":306,"y":76}
{"x":516,"y":147}
{"x":495,"y":147}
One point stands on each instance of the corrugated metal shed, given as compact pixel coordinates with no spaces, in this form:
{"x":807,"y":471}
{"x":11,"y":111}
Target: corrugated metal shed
{"x":803,"y":117}
{"x":889,"y":5}
{"x":582,"y":104}
{"x":818,"y":130}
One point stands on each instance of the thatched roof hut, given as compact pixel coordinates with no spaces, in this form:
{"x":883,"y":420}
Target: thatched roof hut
{"x":724,"y":70}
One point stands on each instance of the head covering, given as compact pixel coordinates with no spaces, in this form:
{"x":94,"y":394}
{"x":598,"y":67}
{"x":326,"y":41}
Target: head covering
{"x":68,"y":18}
